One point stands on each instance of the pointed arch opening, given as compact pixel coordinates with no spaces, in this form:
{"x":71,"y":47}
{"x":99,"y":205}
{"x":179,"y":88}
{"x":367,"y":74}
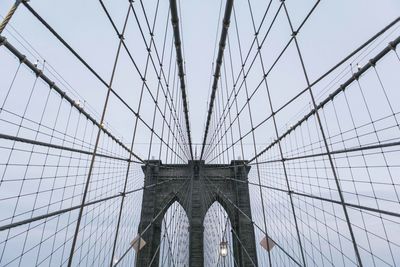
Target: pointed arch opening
{"x":217,"y":237}
{"x":174,"y":243}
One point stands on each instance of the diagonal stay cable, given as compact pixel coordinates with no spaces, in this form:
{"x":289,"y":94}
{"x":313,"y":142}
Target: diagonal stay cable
{"x":354,"y":52}
{"x":60,"y":147}
{"x":357,"y":50}
{"x":149,"y":60}
{"x":59,"y":212}
{"x":251,"y":221}
{"x":162,"y":210}
{"x":39,"y":73}
{"x":390,"y":47}
{"x":149,"y":46}
{"x":241,"y":244}
{"x":53,"y":31}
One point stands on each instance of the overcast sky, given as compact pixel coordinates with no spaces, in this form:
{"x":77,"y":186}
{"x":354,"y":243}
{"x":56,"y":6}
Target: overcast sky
{"x":335,"y":29}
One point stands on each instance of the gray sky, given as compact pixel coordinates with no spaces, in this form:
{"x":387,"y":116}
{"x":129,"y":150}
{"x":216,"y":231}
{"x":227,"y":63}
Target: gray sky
{"x":334,"y":30}
{"x":82,"y":23}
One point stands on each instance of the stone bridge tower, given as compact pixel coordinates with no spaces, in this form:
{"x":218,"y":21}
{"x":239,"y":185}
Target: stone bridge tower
{"x":226,"y":184}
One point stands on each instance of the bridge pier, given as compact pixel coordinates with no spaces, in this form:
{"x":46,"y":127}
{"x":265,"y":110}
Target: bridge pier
{"x":188,"y":184}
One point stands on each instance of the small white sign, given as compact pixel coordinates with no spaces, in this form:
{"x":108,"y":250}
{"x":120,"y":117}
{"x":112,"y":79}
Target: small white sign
{"x":267,"y":245}
{"x":138,"y":243}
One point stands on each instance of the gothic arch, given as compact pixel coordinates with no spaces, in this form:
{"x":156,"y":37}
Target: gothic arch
{"x":175,"y":213}
{"x":219,"y":200}
{"x":189,"y":184}
{"x":217,"y":215}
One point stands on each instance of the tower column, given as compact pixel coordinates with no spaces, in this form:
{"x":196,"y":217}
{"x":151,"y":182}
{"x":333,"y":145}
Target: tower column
{"x":150,"y":209}
{"x":245,"y":252}
{"x":196,"y":215}
{"x":230,"y":193}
